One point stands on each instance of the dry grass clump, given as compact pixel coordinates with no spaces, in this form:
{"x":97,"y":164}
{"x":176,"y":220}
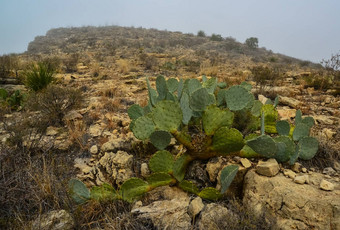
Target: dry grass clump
{"x":123,"y":66}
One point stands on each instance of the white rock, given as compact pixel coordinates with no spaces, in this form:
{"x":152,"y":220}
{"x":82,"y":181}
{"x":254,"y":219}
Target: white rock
{"x":326,"y":185}
{"x":94,"y":149}
{"x":195,"y":207}
{"x":144,"y":170}
{"x":302,"y":179}
{"x":245,"y":162}
{"x":289,"y":173}
{"x":268,"y":168}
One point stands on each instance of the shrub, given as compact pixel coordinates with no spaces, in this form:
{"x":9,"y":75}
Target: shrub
{"x":264,"y":75}
{"x":201,"y":33}
{"x":252,"y":42}
{"x":209,"y":120}
{"x":12,"y":100}
{"x":216,"y":37}
{"x":39,"y":77}
{"x":55,"y":101}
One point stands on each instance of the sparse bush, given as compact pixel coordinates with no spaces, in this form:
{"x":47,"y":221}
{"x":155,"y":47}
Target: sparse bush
{"x":71,"y":63}
{"x":55,"y":101}
{"x":39,"y":76}
{"x":252,"y":42}
{"x":264,"y":75}
{"x":201,"y":33}
{"x":216,"y":37}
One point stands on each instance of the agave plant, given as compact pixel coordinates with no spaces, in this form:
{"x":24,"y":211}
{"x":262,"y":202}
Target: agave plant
{"x":210,"y":120}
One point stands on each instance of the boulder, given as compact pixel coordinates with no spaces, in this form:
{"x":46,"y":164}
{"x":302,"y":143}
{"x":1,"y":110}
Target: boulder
{"x":54,"y":220}
{"x":291,"y":205}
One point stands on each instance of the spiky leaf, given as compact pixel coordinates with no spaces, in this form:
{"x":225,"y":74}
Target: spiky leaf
{"x":210,"y":193}
{"x":263,"y":145}
{"x":237,"y":98}
{"x":167,"y":115}
{"x":228,"y":174}
{"x":283,"y":128}
{"x":78,"y":191}
{"x":152,"y":94}
{"x":161,"y":161}
{"x":213,"y":118}
{"x":227,"y":140}
{"x":188,"y":186}
{"x":308,"y":146}
{"x":160,"y":139}
{"x":276,"y":101}
{"x":133,"y":188}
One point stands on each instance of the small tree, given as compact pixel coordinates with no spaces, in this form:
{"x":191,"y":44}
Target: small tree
{"x":216,"y":37}
{"x":201,"y":33}
{"x":252,"y":42}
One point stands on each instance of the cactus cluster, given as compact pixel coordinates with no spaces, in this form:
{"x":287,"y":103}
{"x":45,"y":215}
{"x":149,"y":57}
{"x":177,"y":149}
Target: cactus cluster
{"x":209,"y":120}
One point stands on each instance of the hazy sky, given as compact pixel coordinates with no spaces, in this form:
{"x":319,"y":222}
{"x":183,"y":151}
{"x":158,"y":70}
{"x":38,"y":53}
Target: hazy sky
{"x":306,"y":29}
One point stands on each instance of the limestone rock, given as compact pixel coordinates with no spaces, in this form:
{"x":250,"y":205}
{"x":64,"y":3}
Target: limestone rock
{"x":94,"y":149}
{"x":262,"y":99}
{"x":167,"y":214}
{"x":144,"y":170}
{"x":292,"y":206}
{"x":328,"y":133}
{"x":95,"y":130}
{"x":290,"y":102}
{"x":326,"y":120}
{"x":327,"y":186}
{"x":213,"y":168}
{"x":54,"y":220}
{"x":329,"y":171}
{"x":215,"y":216}
{"x":114,"y":145}
{"x":195,"y":207}
{"x":286,"y":114}
{"x":296,"y":167}
{"x":289,"y":173}
{"x":245,"y":162}
{"x":268,"y":168}
{"x":301,"y":179}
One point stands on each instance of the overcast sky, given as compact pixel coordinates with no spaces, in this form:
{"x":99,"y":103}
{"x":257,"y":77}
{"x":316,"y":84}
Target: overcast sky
{"x":306,"y":29}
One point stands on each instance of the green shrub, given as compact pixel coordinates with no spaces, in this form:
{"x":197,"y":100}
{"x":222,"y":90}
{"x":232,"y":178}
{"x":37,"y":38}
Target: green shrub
{"x":216,"y":37}
{"x":12,"y":100}
{"x":206,"y":120}
{"x":38,"y":77}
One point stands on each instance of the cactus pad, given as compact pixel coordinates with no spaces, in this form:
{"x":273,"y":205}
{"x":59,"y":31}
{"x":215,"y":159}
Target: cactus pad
{"x":214,"y":118}
{"x":162,"y":88}
{"x":256,"y":109}
{"x":161,"y":161}
{"x":160,"y":139}
{"x":227,"y":140}
{"x":263,"y":145}
{"x":237,"y":98}
{"x":210,"y":85}
{"x":188,"y":186}
{"x":228,"y":174}
{"x":159,"y":179}
{"x":301,"y":130}
{"x":309,"y":121}
{"x":167,"y":115}
{"x":283,"y":128}
{"x":246,"y":85}
{"x":103,"y":192}
{"x":180,"y":166}
{"x":200,"y":99}
{"x":143,"y":127}
{"x":298,"y":117}
{"x":172,"y":84}
{"x":308,"y":146}
{"x":221,"y":97}
{"x":289,"y":148}
{"x":133,"y":188}
{"x":78,"y":191}
{"x":187,"y":112}
{"x":135,"y":111}
{"x":193,"y":85}
{"x":248,"y":152}
{"x":210,"y":193}
{"x":222,"y":85}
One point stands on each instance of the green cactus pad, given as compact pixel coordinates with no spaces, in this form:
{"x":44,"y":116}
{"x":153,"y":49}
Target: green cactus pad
{"x":143,"y":127}
{"x":210,"y":193}
{"x":268,"y":102}
{"x":289,"y":150}
{"x":276,"y":101}
{"x":188,"y":186}
{"x":295,"y":156}
{"x":281,"y":154}
{"x":133,"y":188}
{"x":227,"y":140}
{"x":298,"y":117}
{"x":172,"y":84}
{"x":193,"y":85}
{"x":200,"y":99}
{"x":222,"y":85}
{"x":309,"y":121}
{"x":228,"y":174}
{"x":210,"y":85}
{"x":167,"y":115}
{"x":308,"y":146}
{"x":256,"y":109}
{"x":78,"y":191}
{"x":246,"y":85}
{"x":213,"y":118}
{"x":152,"y":94}
{"x":159,"y":179}
{"x":237,"y":98}
{"x":3,"y":94}
{"x":161,"y":161}
{"x":221,"y":97}
{"x":301,"y":130}
{"x":270,"y":114}
{"x":264,"y":145}
{"x":180,"y":88}
{"x":248,"y":152}
{"x":180,"y":166}
{"x":104,"y":192}
{"x":204,"y":78}
{"x":162,"y":88}
{"x":160,"y":139}
{"x":171,"y":97}
{"x":135,"y":111}
{"x":283,"y":128}
{"x":187,"y":112}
